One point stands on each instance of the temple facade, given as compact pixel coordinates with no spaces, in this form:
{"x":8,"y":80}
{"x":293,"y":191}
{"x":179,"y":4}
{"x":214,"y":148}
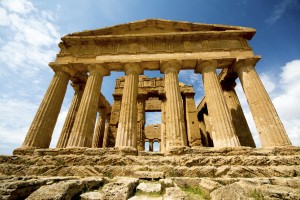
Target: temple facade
{"x":165,"y":46}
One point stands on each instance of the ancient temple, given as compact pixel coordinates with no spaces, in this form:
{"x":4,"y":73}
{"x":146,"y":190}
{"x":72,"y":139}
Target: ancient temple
{"x":166,"y":46}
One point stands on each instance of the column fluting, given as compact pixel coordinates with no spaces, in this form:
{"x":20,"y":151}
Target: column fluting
{"x":127,"y":128}
{"x":82,"y":132}
{"x":268,"y":124}
{"x":175,"y":126}
{"x":69,"y":122}
{"x":40,"y":132}
{"x":99,"y":130}
{"x":223,"y":133}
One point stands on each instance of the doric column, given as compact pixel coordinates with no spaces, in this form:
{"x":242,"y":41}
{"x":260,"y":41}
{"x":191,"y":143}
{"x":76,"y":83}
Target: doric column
{"x":223,"y":133}
{"x":151,"y":145}
{"x":69,"y":122}
{"x":141,"y":124}
{"x":114,"y":121}
{"x":192,"y":125}
{"x":106,"y":131}
{"x":238,"y":118}
{"x":176,"y":133}
{"x":41,"y":129}
{"x":127,"y":129}
{"x":82,"y":132}
{"x":208,"y":132}
{"x":267,"y":121}
{"x":163,"y":136}
{"x":99,"y":130}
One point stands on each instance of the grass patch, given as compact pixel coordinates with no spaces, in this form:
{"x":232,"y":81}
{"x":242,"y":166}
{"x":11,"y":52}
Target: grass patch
{"x":195,"y":192}
{"x":256,"y":195}
{"x":148,"y":194}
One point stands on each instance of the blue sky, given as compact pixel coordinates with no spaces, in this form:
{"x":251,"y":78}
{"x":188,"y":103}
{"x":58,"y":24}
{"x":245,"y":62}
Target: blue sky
{"x":31,"y":30}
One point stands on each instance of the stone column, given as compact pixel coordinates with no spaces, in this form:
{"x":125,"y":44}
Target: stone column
{"x":141,"y":124}
{"x":114,"y":121}
{"x":82,"y":132}
{"x":151,"y":145}
{"x":267,"y":121}
{"x":163,"y":126}
{"x":106,"y":131}
{"x":40,"y":132}
{"x":238,"y":118}
{"x":223,"y":133}
{"x":69,"y":122}
{"x":127,"y":129}
{"x":176,"y":133}
{"x":208,"y":132}
{"x":99,"y":130}
{"x":192,"y":124}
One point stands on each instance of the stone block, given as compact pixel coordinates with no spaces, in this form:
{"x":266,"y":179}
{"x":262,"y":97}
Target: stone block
{"x":175,"y":193}
{"x":149,"y":187}
{"x":149,"y":175}
{"x":123,"y":188}
{"x":91,"y":196}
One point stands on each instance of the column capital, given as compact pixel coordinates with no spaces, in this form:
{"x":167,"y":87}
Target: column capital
{"x":204,"y":65}
{"x":245,"y":63}
{"x":168,"y":65}
{"x":63,"y":68}
{"x":133,"y":68}
{"x":100,"y":68}
{"x":78,"y":86}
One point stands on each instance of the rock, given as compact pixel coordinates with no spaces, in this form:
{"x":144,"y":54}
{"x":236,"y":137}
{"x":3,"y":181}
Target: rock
{"x":208,"y":185}
{"x":18,"y":187}
{"x":149,"y":175}
{"x":229,"y":192}
{"x":149,"y":187}
{"x":175,"y":193}
{"x":123,"y":188}
{"x":65,"y":189}
{"x":91,"y":196}
{"x":165,"y":183}
{"x":186,"y":181}
{"x":143,"y":197}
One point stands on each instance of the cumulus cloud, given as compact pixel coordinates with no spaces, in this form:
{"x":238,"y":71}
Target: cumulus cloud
{"x":30,"y":36}
{"x":28,"y":43}
{"x":285,"y":97}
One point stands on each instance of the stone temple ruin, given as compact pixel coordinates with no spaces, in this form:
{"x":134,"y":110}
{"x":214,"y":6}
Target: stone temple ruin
{"x":208,"y":146}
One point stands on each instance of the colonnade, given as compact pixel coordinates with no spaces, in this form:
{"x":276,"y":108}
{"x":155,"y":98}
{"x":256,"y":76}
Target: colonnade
{"x":78,"y":130}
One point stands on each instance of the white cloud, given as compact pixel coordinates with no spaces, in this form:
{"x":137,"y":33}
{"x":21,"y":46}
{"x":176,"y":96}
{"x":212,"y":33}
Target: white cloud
{"x":279,"y":9}
{"x":4,"y":19}
{"x":31,"y":36}
{"x":285,"y":96}
{"x":18,"y":6}
{"x":153,"y":118}
{"x":28,"y":41}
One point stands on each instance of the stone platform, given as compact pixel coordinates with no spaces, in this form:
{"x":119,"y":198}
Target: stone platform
{"x":242,"y":171}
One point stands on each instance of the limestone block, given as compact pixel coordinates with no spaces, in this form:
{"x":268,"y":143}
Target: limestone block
{"x":209,"y":185}
{"x":165,"y":183}
{"x":175,"y":193}
{"x":91,"y":196}
{"x":149,"y":174}
{"x":229,"y":192}
{"x":145,"y":197}
{"x":123,"y":188}
{"x":65,"y":189}
{"x":149,"y":187}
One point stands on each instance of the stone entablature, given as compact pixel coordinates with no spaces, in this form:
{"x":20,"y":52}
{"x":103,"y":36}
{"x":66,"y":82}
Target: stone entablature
{"x":168,"y":46}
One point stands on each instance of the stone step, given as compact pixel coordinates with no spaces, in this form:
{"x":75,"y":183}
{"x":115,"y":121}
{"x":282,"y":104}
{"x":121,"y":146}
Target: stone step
{"x":36,"y":187}
{"x":169,"y":171}
{"x":183,"y":160}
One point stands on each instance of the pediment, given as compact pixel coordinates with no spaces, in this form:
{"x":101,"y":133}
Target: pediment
{"x":158,"y":26}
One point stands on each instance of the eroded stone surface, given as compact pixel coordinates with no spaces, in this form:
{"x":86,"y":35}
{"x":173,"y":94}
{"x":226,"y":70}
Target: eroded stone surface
{"x":91,"y":196}
{"x":66,"y":189}
{"x":123,"y":188}
{"x":175,"y":193}
{"x":149,"y":187}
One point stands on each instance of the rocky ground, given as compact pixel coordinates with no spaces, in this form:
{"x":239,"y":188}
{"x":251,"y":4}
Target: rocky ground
{"x":183,"y":173}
